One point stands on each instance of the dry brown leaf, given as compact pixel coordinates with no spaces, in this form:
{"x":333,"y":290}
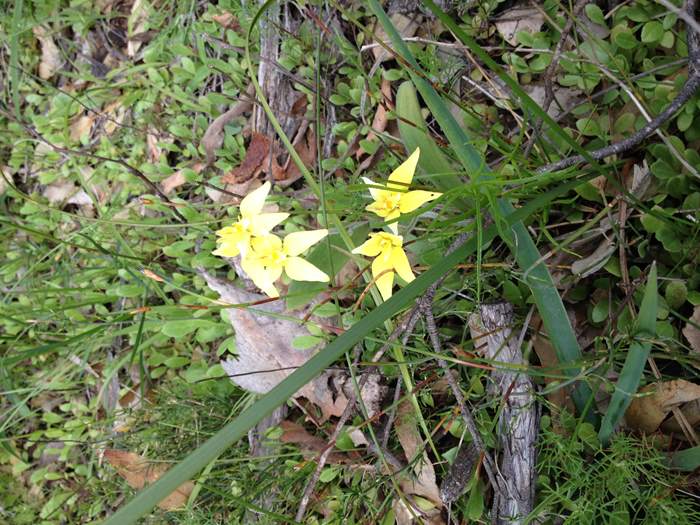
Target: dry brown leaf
{"x":691,"y":331}
{"x":116,"y":114}
{"x":50,"y":53}
{"x":595,"y":261}
{"x":177,"y":179}
{"x":517,"y":19}
{"x":227,"y":21}
{"x":648,"y":412}
{"x":66,"y":192}
{"x":214,"y":135}
{"x":548,"y":359}
{"x":306,"y":148}
{"x":265,"y":355}
{"x":422,"y":482}
{"x":405,"y":25}
{"x":5,"y":178}
{"x":258,"y":151}
{"x":139,"y":472}
{"x":381,"y":117}
{"x":82,"y":127}
{"x":312,"y":445}
{"x":137,"y":24}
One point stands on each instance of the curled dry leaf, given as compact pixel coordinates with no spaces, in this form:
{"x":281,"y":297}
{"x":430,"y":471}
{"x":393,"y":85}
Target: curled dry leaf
{"x":50,"y":53}
{"x":258,"y":150}
{"x":81,"y":127}
{"x":66,"y":192}
{"x":137,"y":25}
{"x":264,"y":335}
{"x":305,"y":146}
{"x":381,"y":117}
{"x":139,"y":472}
{"x":422,"y":478}
{"x":227,"y":21}
{"x":177,"y":179}
{"x":517,"y":19}
{"x":648,"y":412}
{"x":595,"y":261}
{"x":310,"y":444}
{"x":405,"y":25}
{"x":692,"y":332}
{"x":214,"y":135}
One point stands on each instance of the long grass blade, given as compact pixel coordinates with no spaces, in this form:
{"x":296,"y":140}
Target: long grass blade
{"x":631,"y":375}
{"x":546,"y":296}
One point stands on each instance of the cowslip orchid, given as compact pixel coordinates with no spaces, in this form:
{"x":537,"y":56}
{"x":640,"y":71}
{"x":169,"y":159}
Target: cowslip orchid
{"x":393,"y":199}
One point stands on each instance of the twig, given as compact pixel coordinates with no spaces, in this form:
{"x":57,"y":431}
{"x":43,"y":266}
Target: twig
{"x":687,"y":91}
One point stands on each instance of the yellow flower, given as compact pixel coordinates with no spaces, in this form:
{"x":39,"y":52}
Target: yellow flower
{"x":235,"y":239}
{"x":269,"y":256}
{"x":389,"y":258}
{"x":392,"y":200}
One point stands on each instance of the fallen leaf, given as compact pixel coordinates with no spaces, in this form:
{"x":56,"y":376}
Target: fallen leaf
{"x":258,"y":151}
{"x":265,"y":355}
{"x":312,"y":445}
{"x":81,"y":127}
{"x":648,"y":412}
{"x":5,"y":178}
{"x":381,"y":117}
{"x":526,"y":19}
{"x":595,"y":261}
{"x":177,"y":179}
{"x":305,"y":147}
{"x":66,"y":192}
{"x":227,"y":21}
{"x":564,"y":98}
{"x":50,"y":53}
{"x":214,"y":135}
{"x":691,"y":331}
{"x":406,"y":27}
{"x":116,"y":114}
{"x":137,"y":25}
{"x":139,"y":472}
{"x":423,"y":482}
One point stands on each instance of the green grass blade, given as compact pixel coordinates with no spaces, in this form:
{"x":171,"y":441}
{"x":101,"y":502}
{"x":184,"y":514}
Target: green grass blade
{"x":526,"y":254}
{"x":631,"y":375}
{"x":686,"y":460}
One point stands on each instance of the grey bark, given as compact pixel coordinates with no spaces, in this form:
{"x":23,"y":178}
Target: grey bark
{"x":517,"y":425}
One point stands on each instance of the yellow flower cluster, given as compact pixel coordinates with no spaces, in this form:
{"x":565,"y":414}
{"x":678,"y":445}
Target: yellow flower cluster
{"x":390,"y":202}
{"x":264,"y":256}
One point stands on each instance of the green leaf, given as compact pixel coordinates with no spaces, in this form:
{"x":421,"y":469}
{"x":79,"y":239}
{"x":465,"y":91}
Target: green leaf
{"x":652,"y":32}
{"x":637,"y":354}
{"x":589,"y":127}
{"x":595,"y":14}
{"x":182,"y":327}
{"x":686,"y":460}
{"x":625,"y":39}
{"x":304,"y":342}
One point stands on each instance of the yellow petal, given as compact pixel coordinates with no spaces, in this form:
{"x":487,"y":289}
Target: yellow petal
{"x":252,"y":204}
{"x":377,"y":209}
{"x":298,"y":242}
{"x":383,"y":275}
{"x":300,"y":270}
{"x":415,"y":199}
{"x":227,"y":249}
{"x":261,"y":276}
{"x":262,"y":224}
{"x":400,"y":263}
{"x":226,"y":231}
{"x":403,"y":175}
{"x":393,"y":216}
{"x":371,"y":247}
{"x":375,"y":190}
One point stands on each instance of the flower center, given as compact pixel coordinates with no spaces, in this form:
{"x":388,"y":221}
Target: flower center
{"x":390,"y":200}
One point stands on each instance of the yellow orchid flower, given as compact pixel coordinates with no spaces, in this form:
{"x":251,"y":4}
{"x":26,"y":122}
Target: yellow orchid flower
{"x":235,"y":239}
{"x":392,"y":200}
{"x":387,"y":249}
{"x":270,"y":255}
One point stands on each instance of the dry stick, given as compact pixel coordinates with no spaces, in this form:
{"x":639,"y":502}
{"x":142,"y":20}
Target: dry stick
{"x":549,"y":73}
{"x":687,"y":91}
{"x":426,"y":304}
